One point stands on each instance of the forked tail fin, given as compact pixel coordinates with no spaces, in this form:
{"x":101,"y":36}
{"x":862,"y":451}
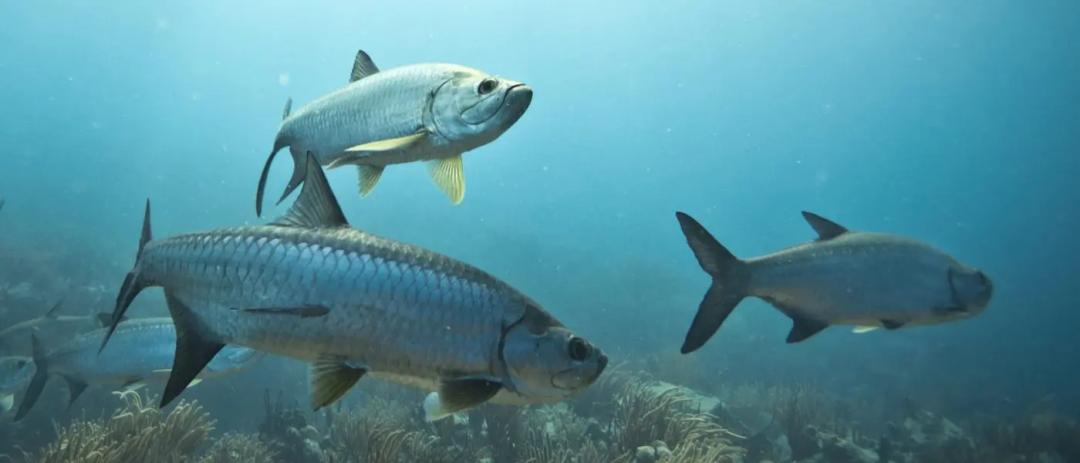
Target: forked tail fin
{"x":132,"y":284}
{"x":299,"y":168}
{"x":728,"y":285}
{"x":37,"y":383}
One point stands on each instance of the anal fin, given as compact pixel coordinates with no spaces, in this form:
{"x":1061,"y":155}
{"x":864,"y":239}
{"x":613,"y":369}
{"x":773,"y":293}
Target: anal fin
{"x":458,"y":395}
{"x":75,"y":389}
{"x":369,"y":177}
{"x":449,"y":176}
{"x":193,"y":350}
{"x":331,"y":378}
{"x":802,"y":328}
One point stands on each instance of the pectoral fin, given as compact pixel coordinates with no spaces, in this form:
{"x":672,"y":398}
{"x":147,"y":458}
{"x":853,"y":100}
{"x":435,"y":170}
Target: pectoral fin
{"x":369,"y":177}
{"x":449,"y":176}
{"x":458,"y":395}
{"x":7,"y":402}
{"x":389,"y":144}
{"x":331,"y":378}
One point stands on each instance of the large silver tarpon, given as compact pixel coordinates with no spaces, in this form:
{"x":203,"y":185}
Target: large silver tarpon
{"x":309,"y":286}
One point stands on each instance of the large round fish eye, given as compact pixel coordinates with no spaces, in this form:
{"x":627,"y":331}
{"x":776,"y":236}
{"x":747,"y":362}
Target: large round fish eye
{"x":487,"y":86}
{"x":578,"y":349}
{"x":20,"y":363}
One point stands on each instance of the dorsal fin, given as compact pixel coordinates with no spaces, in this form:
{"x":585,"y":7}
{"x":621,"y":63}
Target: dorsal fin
{"x":825,"y":228}
{"x":316,"y":207}
{"x":288,"y":109}
{"x":362,"y":67}
{"x":55,"y":309}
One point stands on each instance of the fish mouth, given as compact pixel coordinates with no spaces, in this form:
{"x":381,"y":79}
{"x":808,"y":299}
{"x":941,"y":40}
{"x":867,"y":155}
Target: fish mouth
{"x":516,"y":99}
{"x":580,"y":377}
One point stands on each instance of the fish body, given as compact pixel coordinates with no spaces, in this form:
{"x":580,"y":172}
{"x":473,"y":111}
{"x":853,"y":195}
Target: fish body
{"x":869,"y":280}
{"x":419,"y":112}
{"x":142,"y":351}
{"x":310,"y":287}
{"x":51,"y":327}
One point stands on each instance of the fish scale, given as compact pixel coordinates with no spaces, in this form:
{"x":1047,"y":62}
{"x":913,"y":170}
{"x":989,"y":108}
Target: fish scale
{"x":406,"y":310}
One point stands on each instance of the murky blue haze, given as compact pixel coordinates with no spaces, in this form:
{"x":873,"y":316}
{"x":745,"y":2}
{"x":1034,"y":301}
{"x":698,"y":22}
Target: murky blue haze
{"x":957,"y":123}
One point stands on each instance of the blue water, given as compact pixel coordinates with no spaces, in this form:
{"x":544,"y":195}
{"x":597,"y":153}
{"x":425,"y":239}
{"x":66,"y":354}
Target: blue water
{"x":957,"y":123}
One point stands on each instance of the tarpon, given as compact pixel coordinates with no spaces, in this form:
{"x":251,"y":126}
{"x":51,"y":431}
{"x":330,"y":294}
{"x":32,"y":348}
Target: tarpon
{"x":420,"y":112}
{"x":50,"y":326}
{"x":309,"y":286}
{"x":869,"y":280}
{"x":142,"y":352}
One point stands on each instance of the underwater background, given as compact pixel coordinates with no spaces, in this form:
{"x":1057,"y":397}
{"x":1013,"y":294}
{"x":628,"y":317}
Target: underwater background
{"x":957,"y":123}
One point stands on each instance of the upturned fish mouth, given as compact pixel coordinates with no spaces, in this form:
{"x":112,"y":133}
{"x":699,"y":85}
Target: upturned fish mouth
{"x":578,"y":377}
{"x":516,"y":98}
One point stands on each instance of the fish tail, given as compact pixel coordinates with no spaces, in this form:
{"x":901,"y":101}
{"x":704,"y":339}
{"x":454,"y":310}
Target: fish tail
{"x":132,"y":283}
{"x":729,"y":282}
{"x":37,"y":383}
{"x":294,"y":181}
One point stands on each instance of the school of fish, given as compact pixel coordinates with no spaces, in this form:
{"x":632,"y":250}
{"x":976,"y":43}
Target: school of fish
{"x":311,"y":287}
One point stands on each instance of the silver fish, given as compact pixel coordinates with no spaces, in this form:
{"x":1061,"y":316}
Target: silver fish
{"x":420,"y":112}
{"x":51,"y":326}
{"x":13,"y":376}
{"x":309,"y":286}
{"x":142,"y":352}
{"x":869,"y":280}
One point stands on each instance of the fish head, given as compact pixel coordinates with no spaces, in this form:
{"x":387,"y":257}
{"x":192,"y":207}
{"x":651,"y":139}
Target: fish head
{"x":16,"y":371}
{"x":550,"y":362}
{"x":232,"y":358}
{"x":971,"y":289}
{"x":473,"y":108}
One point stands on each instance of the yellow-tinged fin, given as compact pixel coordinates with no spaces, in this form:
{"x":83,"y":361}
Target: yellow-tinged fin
{"x":7,"y":402}
{"x":864,"y":329}
{"x":390,"y":144}
{"x":369,"y":177}
{"x":331,"y":378}
{"x":449,"y":176}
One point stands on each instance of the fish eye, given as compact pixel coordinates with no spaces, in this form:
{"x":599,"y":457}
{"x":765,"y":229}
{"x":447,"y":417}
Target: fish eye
{"x":487,"y":86}
{"x":578,"y":349}
{"x":20,"y":363}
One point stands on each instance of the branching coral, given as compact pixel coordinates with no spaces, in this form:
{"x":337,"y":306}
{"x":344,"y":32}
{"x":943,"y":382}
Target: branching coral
{"x":380,"y":433}
{"x":136,"y":432}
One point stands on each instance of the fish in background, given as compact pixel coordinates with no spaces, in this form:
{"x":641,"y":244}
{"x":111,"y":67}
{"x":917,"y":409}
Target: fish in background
{"x":51,"y":326}
{"x":13,"y":377}
{"x":419,"y":112}
{"x":142,"y":352}
{"x":2,"y":202}
{"x":310,"y":287}
{"x":870,"y":280}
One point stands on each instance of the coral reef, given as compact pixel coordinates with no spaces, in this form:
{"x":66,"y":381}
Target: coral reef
{"x":240,"y":448}
{"x":628,"y":418}
{"x":136,"y":432}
